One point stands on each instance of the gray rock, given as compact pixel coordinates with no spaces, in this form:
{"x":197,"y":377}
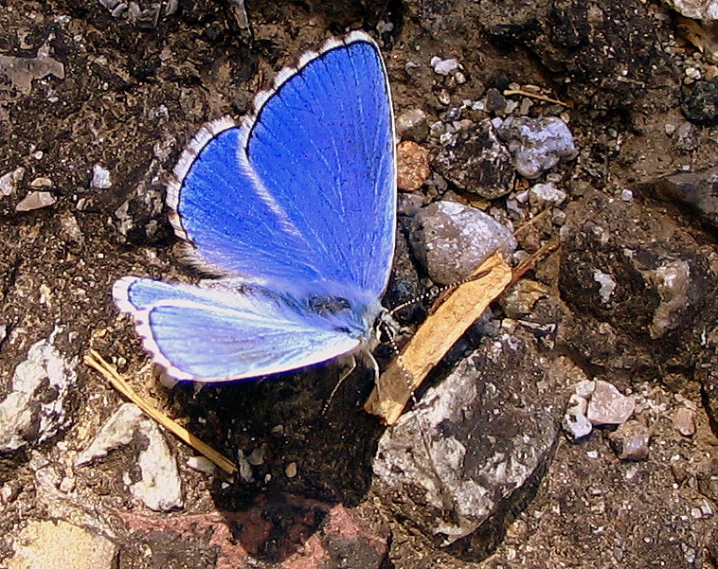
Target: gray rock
{"x":475,"y":443}
{"x":115,"y":433}
{"x":537,"y":145}
{"x":35,"y":409}
{"x":451,"y":240}
{"x":20,"y":72}
{"x":159,"y":486}
{"x":412,"y":125}
{"x":608,"y":406}
{"x":476,"y":161}
{"x":697,"y":190}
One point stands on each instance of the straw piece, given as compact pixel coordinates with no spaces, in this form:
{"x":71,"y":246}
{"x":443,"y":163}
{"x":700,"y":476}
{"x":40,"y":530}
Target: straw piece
{"x":538,"y":96}
{"x":97,"y":362}
{"x":435,"y":337}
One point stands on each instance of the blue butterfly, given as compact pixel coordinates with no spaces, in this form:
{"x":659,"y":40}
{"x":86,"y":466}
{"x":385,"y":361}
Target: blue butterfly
{"x":294,"y":212}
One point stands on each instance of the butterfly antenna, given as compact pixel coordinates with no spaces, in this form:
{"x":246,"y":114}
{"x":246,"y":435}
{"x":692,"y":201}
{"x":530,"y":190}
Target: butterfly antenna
{"x":436,"y":292}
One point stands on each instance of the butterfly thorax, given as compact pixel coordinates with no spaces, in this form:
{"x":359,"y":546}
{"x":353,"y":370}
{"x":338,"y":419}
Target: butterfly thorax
{"x":346,"y":315}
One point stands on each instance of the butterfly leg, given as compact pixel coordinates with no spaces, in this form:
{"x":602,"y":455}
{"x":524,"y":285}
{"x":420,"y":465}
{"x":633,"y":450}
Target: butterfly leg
{"x":345,"y":373}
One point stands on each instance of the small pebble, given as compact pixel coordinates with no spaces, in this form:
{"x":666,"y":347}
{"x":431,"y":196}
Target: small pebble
{"x":608,"y":406}
{"x":630,"y":441}
{"x":100,"y":178}
{"x":542,"y":196}
{"x":575,"y":423}
{"x":291,"y":470}
{"x":412,"y":166}
{"x":444,"y":66}
{"x":245,"y":469}
{"x":10,"y":181}
{"x":412,"y":125}
{"x":444,"y":97}
{"x":201,"y":464}
{"x":35,"y":200}
{"x":67,"y":485}
{"x":256,"y":457}
{"x":41,"y":182}
{"x":684,"y":421}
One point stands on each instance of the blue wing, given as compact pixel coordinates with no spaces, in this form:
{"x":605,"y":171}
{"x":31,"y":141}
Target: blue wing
{"x":218,"y":333}
{"x":302,"y":197}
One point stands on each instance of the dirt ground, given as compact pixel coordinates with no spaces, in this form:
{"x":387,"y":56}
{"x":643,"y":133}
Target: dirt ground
{"x":103,"y":93}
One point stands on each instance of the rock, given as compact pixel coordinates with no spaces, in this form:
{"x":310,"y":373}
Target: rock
{"x":700,"y":103}
{"x":573,"y":38}
{"x":35,"y":200}
{"x":495,"y":101}
{"x":641,"y":293}
{"x":575,"y":423}
{"x":686,"y":138}
{"x":412,"y":125}
{"x":444,"y":66}
{"x":41,"y":182}
{"x":684,"y":421}
{"x":608,"y":406}
{"x":159,"y":485}
{"x":36,"y":407}
{"x":696,"y":190}
{"x":520,"y":299}
{"x":115,"y":433}
{"x":19,"y":72}
{"x":477,"y":162}
{"x":451,"y":240}
{"x":630,"y":441}
{"x":412,"y":166}
{"x":696,"y":10}
{"x":537,"y":145}
{"x":45,"y":544}
{"x":70,"y":230}
{"x":100,"y":178}
{"x":10,"y":181}
{"x":202,"y":464}
{"x":546,"y":195}
{"x":475,"y":443}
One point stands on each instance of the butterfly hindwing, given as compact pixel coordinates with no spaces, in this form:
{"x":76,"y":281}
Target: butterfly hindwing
{"x":220,"y":333}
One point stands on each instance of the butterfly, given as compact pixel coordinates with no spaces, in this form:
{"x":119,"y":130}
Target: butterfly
{"x":293,"y":212}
